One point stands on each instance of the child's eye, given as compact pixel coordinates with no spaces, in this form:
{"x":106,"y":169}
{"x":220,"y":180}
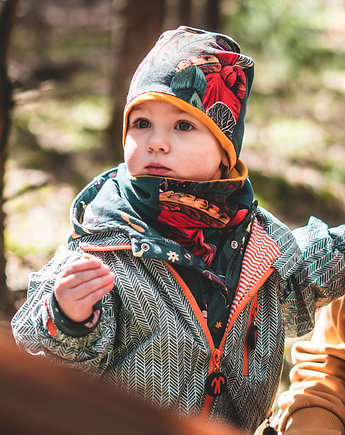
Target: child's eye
{"x":142,"y":123}
{"x":184,"y":126}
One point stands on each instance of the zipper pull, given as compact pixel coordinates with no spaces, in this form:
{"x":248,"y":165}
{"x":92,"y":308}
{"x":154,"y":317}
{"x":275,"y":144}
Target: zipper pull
{"x":217,"y":354}
{"x":252,"y":336}
{"x":253,"y":329}
{"x":269,"y":430}
{"x":216,"y":381}
{"x":255,"y":311}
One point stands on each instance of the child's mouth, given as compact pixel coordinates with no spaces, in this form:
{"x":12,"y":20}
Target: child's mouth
{"x":153,"y":169}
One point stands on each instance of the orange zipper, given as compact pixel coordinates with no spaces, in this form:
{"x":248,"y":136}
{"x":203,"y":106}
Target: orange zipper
{"x":243,"y":303}
{"x":213,"y":367}
{"x":96,"y":248}
{"x":216,"y":354}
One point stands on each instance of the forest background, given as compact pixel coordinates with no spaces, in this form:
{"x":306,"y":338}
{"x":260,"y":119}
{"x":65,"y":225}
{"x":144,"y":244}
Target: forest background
{"x":64,"y":72}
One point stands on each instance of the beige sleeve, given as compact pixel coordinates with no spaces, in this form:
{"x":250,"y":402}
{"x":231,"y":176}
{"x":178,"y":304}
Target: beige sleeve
{"x":315,"y":402}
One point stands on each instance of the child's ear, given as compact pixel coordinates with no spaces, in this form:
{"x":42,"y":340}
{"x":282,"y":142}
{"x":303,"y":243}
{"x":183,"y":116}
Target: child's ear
{"x":225,"y":160}
{"x":224,"y":165}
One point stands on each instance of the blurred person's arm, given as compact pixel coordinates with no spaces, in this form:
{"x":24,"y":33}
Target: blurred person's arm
{"x":315,"y":402}
{"x":39,"y":397}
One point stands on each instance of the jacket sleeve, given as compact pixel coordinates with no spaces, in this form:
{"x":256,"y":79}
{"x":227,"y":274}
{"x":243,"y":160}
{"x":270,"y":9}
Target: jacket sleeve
{"x":315,"y":402}
{"x":35,"y":331}
{"x":312,"y":273}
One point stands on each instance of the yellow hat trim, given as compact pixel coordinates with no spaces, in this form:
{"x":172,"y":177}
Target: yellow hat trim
{"x":224,"y":141}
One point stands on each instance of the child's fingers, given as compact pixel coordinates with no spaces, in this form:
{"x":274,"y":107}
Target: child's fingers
{"x":72,"y":280}
{"x":96,"y":295}
{"x":78,"y":285}
{"x":81,"y":284}
{"x":82,"y":264}
{"x":78,"y":303}
{"x":84,"y":289}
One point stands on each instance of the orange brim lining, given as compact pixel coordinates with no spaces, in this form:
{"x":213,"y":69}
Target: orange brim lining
{"x":224,"y":141}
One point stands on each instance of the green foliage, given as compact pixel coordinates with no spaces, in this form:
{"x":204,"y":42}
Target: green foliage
{"x":284,"y":33}
{"x":294,"y":127}
{"x":65,"y":124}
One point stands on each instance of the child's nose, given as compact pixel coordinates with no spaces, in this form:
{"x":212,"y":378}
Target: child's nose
{"x":158,"y":142}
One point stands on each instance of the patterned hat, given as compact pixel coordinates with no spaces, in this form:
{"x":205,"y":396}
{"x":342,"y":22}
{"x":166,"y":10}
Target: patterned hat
{"x":201,"y":73}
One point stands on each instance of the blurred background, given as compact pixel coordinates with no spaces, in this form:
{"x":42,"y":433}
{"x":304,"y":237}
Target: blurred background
{"x":64,"y":72}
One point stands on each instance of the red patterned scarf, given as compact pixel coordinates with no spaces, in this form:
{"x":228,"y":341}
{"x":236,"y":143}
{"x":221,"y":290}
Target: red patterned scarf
{"x":196,"y":214}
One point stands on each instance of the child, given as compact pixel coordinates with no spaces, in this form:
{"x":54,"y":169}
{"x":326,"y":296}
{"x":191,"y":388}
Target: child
{"x":186,"y":286}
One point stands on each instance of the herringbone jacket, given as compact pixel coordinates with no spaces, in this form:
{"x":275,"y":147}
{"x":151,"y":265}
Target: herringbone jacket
{"x":152,"y":338}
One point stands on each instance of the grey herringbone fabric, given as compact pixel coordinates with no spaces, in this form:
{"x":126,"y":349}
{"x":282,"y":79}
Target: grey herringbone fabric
{"x":150,"y":342}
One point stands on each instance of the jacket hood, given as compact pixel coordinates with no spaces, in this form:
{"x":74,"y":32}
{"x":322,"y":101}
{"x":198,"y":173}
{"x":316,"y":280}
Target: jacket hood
{"x":202,"y":73}
{"x":101,"y":207}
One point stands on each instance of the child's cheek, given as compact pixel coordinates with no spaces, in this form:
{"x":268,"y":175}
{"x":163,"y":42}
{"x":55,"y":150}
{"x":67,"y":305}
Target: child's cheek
{"x":130,"y":148}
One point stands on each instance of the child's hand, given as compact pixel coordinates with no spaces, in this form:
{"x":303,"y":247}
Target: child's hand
{"x":81,"y":284}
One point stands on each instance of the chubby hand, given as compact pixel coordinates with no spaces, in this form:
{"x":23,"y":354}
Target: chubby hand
{"x":81,"y":284}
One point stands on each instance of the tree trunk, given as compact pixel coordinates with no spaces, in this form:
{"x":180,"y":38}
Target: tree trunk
{"x":184,"y":13}
{"x":142,"y":22}
{"x":7,"y":16}
{"x":212,"y":15}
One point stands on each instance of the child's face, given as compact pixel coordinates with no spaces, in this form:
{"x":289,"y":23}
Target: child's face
{"x":165,"y":141}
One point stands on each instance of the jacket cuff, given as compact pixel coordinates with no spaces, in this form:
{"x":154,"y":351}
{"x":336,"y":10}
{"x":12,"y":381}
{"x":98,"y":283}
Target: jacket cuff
{"x":313,"y":421}
{"x":68,"y":326}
